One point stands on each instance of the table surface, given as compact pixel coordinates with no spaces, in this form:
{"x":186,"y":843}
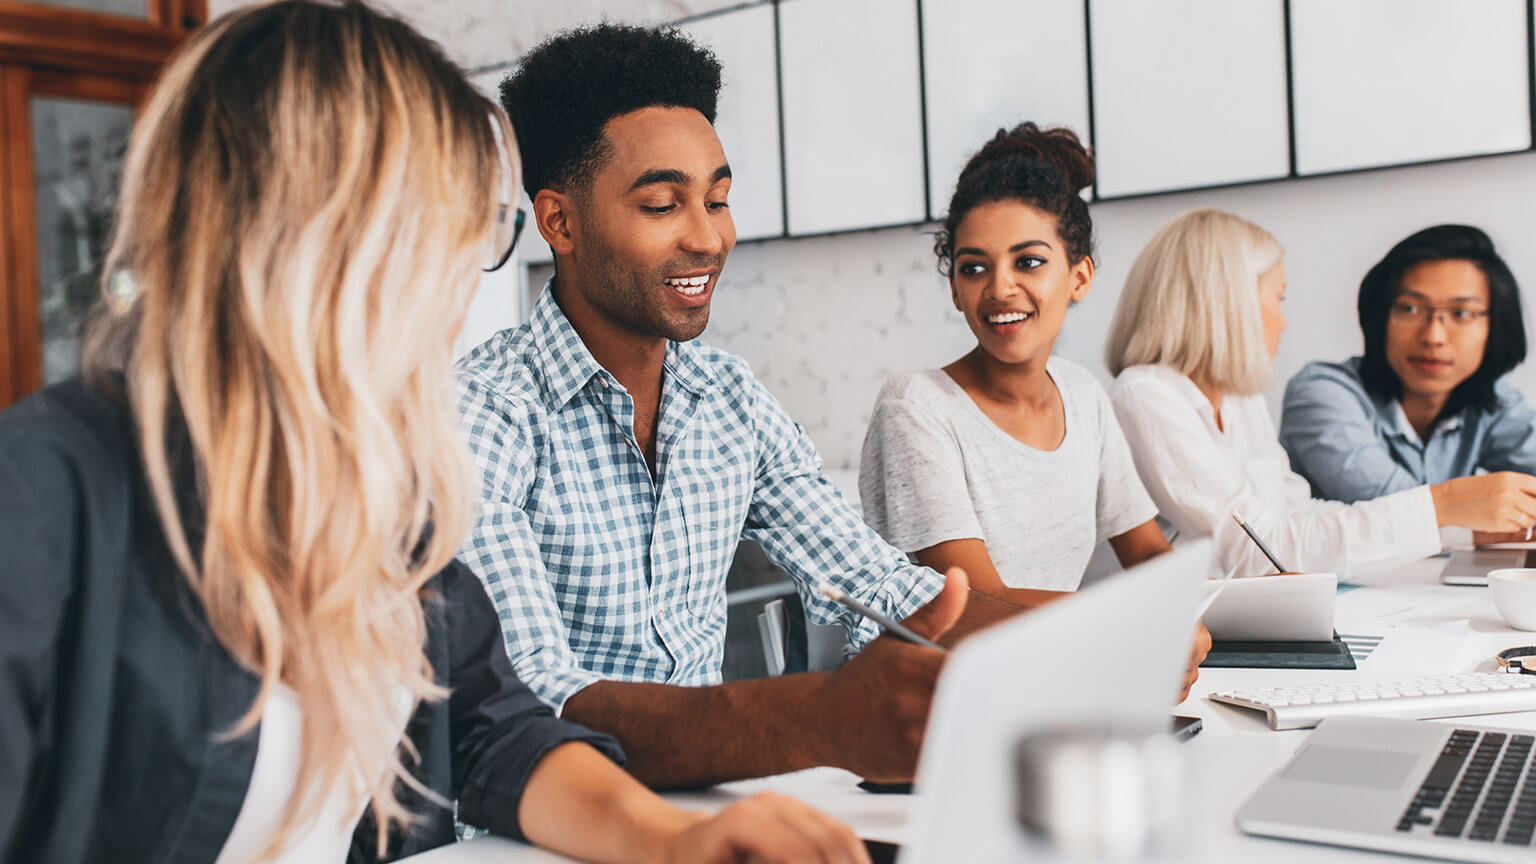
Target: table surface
{"x":1428,"y":628}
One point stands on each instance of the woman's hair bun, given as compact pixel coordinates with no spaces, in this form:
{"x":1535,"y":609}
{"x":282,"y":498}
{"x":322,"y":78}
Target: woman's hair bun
{"x":1057,"y":146}
{"x":1043,"y":168}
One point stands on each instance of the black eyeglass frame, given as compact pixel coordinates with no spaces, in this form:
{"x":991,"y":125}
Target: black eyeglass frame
{"x":518,"y":221}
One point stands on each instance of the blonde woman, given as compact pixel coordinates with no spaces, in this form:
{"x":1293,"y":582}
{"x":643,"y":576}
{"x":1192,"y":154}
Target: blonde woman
{"x":231,"y":625}
{"x":1191,"y":345}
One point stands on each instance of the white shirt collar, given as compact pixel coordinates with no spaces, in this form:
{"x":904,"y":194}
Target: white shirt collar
{"x":1400,"y":424}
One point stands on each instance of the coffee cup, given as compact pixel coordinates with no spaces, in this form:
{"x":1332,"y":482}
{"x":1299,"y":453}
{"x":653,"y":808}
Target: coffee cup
{"x":1092,"y":793}
{"x":1514,"y":595}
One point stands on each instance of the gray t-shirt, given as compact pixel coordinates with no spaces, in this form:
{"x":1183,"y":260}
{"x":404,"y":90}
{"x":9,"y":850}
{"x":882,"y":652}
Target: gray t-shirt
{"x":936,"y":468}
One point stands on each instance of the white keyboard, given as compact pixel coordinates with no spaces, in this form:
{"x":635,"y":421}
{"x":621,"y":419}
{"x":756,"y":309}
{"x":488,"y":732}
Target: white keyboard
{"x":1418,"y":698}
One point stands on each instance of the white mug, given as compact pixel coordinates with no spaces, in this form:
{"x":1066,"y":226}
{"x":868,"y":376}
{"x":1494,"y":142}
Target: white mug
{"x":1088,"y":792}
{"x":1514,"y":594}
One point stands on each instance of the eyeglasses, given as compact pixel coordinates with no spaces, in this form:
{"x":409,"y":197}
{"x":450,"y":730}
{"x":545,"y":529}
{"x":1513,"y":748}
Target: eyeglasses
{"x":1452,"y":316}
{"x":509,"y":223}
{"x":504,"y":237}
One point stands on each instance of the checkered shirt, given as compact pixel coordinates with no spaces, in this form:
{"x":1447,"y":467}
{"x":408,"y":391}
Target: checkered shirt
{"x":600,"y":573}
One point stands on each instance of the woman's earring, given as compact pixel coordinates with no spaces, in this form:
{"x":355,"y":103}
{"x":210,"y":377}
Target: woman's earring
{"x":122,"y":290}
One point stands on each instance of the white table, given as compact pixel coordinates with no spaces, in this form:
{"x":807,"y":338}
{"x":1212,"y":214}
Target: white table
{"x":1429,"y":628}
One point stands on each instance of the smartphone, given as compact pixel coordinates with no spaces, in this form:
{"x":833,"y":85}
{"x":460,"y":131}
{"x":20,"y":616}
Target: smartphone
{"x":1185,"y":728}
{"x":886,"y":788}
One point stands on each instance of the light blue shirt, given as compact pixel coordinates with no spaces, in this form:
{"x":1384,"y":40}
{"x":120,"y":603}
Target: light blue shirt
{"x":1352,"y":446}
{"x":597,"y":570}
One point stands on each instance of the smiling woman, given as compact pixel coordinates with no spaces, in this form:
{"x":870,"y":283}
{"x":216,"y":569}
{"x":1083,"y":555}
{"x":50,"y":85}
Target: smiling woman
{"x":1008,"y":461}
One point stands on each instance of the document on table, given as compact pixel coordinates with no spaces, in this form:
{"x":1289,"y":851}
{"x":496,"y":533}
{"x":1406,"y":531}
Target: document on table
{"x":1395,"y":605}
{"x":1422,"y":627}
{"x":1361,"y":646}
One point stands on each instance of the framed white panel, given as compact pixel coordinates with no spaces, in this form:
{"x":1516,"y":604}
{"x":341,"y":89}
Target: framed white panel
{"x":1188,"y":93}
{"x":853,"y":147}
{"x":748,"y":116}
{"x":979,"y":79}
{"x":1386,"y":82}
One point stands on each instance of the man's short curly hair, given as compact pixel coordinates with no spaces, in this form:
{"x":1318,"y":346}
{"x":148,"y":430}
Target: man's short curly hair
{"x":565,"y":90}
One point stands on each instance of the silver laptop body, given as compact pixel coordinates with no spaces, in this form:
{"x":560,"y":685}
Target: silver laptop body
{"x":1006,"y":680}
{"x":1440,"y":790}
{"x":1471,"y":566}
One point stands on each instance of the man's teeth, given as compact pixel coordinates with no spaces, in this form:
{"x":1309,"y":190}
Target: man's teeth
{"x":1008,"y":317}
{"x":690,"y":284}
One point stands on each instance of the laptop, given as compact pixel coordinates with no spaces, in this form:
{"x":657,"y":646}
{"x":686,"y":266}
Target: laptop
{"x":1038,"y":671}
{"x":1432,"y":789}
{"x":1471,"y":566}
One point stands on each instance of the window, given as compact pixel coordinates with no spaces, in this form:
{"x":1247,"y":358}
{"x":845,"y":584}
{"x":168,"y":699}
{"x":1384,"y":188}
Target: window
{"x":72,"y":72}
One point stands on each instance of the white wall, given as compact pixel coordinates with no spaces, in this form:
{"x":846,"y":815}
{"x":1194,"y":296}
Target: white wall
{"x":825,"y":320}
{"x":479,"y":33}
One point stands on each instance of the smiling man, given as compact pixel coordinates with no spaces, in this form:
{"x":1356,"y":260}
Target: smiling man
{"x":623,"y":462}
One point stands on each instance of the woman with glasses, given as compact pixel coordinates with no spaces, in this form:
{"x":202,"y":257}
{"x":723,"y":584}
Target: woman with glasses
{"x":1192,"y":346}
{"x":232,"y":628}
{"x":1425,"y":402}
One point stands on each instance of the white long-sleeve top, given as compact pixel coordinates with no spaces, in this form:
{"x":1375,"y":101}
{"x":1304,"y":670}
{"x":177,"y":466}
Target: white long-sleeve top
{"x":1198,"y":474}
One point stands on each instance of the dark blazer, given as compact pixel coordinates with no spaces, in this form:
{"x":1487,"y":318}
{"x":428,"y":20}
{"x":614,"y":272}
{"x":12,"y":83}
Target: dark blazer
{"x":114,"y":692}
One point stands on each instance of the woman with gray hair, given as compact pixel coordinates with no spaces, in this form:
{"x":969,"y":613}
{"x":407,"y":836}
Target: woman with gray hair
{"x":1192,"y":345}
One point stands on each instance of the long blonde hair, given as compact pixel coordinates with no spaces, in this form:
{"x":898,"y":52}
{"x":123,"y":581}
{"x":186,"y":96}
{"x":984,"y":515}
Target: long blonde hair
{"x":1191,"y":301}
{"x":306,"y":199}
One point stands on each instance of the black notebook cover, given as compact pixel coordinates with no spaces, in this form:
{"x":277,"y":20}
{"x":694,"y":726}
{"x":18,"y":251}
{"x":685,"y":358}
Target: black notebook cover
{"x":1280,"y":655}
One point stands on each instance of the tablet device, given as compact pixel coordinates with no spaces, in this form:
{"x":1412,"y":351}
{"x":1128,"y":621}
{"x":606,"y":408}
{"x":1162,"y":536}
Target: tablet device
{"x":1281,"y":608}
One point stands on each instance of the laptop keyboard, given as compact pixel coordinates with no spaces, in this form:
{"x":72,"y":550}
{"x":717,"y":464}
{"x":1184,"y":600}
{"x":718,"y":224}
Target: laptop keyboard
{"x":1478,"y":805}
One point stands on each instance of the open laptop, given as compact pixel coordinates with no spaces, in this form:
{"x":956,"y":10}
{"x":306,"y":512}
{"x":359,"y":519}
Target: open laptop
{"x":1438,"y":790}
{"x":1471,"y":566}
{"x":1042,"y":670}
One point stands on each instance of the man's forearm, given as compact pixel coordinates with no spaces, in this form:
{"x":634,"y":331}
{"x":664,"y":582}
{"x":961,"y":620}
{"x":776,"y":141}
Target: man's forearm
{"x":981,"y":611}
{"x":697,"y":736}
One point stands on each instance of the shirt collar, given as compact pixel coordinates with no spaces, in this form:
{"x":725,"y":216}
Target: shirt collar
{"x":1395,"y":420}
{"x":687,"y":365}
{"x":569,"y":366}
{"x":1186,"y":387}
{"x":566,"y":363}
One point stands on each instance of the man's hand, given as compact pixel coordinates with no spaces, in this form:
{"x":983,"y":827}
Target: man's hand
{"x":875,"y":707}
{"x":1197,"y":652}
{"x":768,"y":828}
{"x":1503,"y":502}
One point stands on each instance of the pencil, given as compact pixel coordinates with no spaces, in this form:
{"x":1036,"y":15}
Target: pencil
{"x":1238,"y":517}
{"x":891,"y":626}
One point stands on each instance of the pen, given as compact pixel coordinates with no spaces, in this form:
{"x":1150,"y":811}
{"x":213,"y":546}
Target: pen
{"x":1238,"y":517}
{"x":891,"y":627}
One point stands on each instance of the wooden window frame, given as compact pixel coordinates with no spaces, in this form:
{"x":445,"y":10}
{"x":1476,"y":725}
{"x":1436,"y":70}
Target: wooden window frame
{"x":74,"y":54}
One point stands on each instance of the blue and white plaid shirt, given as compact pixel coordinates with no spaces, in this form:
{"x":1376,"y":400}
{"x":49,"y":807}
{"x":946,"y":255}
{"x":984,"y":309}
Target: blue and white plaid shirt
{"x":600,"y":573}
